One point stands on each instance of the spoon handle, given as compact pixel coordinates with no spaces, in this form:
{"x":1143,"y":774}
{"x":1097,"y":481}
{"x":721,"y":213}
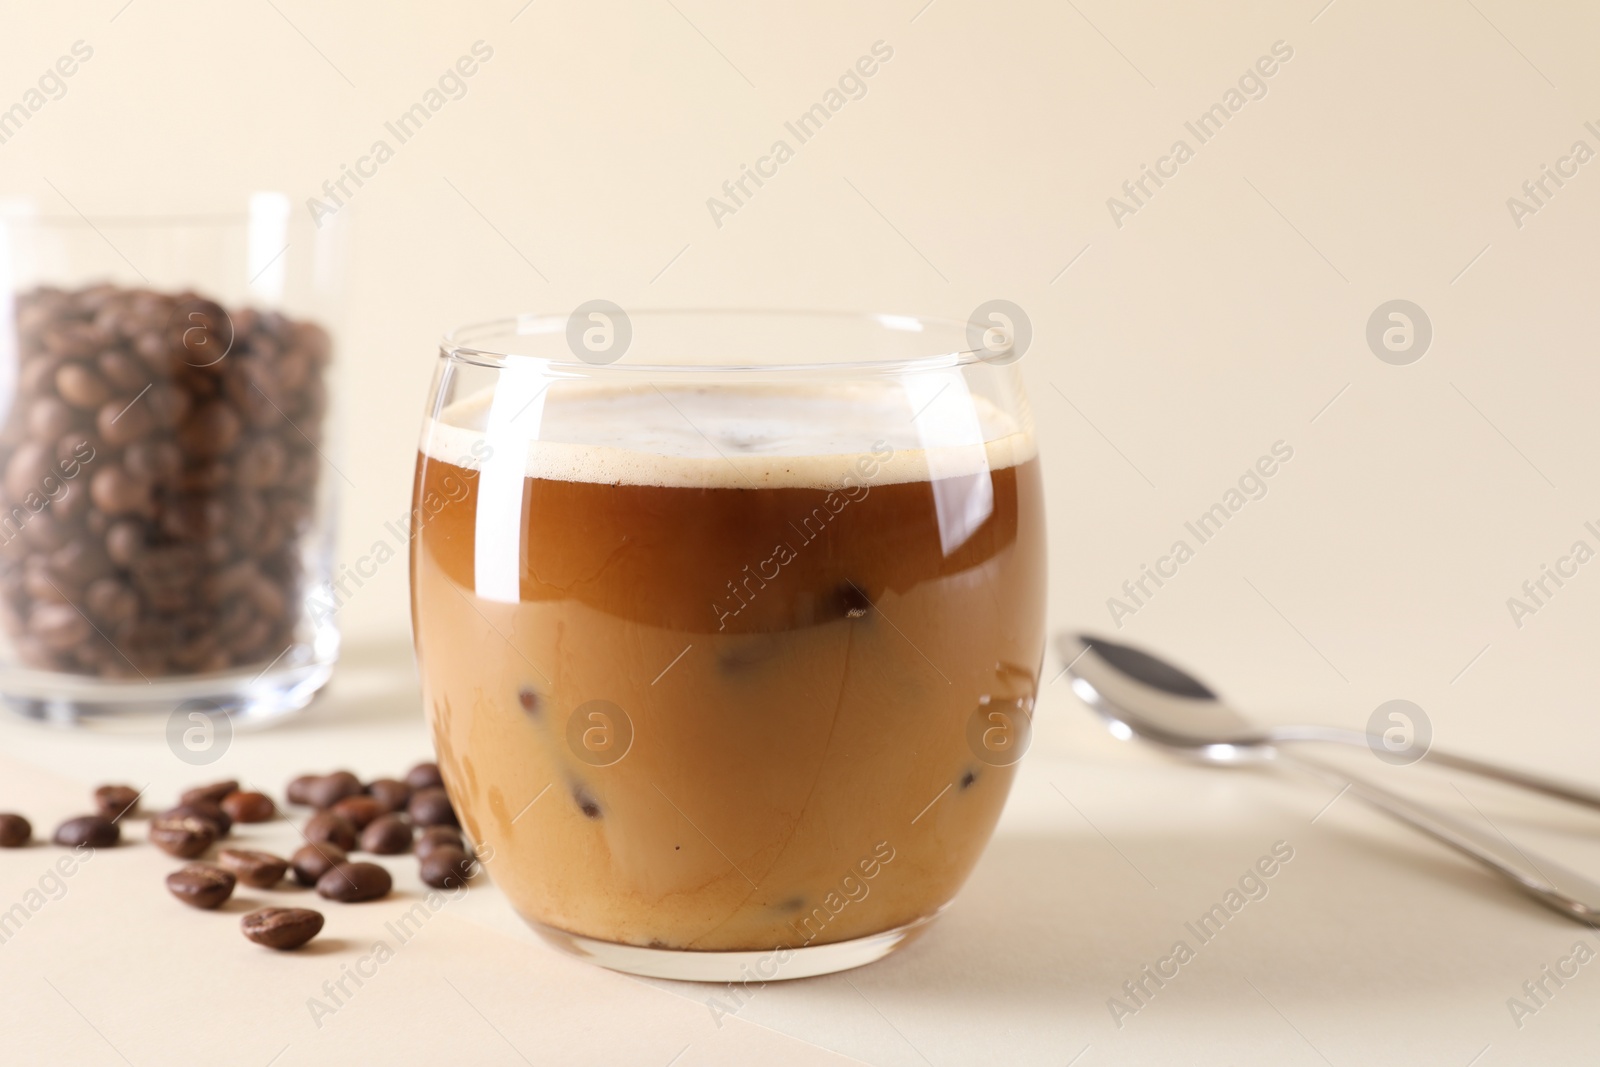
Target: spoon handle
{"x":1537,"y":783}
{"x":1546,"y":881}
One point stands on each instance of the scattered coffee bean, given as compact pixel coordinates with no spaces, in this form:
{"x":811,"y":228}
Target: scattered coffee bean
{"x":184,"y":836}
{"x":424,"y":776}
{"x":311,"y":862}
{"x":392,"y":793}
{"x":359,"y":810}
{"x":353,"y":883}
{"x":115,"y":801}
{"x":15,"y":831}
{"x":328,"y":790}
{"x":214,"y":792}
{"x":446,"y":868}
{"x":261,"y":870}
{"x":299,"y":790}
{"x":96,"y":831}
{"x":431,"y":807}
{"x":282,"y":928}
{"x":387,"y":835}
{"x":201,"y":885}
{"x":221,"y":822}
{"x":968,"y":778}
{"x":331,"y":828}
{"x":249,"y":807}
{"x":439,"y":837}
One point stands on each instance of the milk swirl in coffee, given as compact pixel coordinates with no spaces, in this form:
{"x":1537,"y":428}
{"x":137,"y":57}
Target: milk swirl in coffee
{"x":697,"y":658}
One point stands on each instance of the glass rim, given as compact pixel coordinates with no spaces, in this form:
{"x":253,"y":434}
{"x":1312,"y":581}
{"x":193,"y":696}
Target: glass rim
{"x":466,"y":343}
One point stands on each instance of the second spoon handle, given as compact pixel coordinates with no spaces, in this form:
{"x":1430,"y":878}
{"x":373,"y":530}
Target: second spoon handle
{"x":1546,"y":881}
{"x":1538,"y":783}
{"x":1528,"y":780}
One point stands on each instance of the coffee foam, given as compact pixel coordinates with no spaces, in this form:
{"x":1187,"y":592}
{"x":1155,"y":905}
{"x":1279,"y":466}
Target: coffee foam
{"x":914,"y":428}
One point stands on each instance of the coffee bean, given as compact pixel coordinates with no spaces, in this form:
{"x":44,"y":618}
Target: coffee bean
{"x":424,"y":776}
{"x":387,"y":835}
{"x":81,"y":387}
{"x":529,"y":699}
{"x":157,"y":462}
{"x":262,"y":462}
{"x":393,"y":794}
{"x":298,"y":791}
{"x":115,"y":801}
{"x":79,"y":562}
{"x":328,"y":790}
{"x":211,"y":430}
{"x":282,"y":928}
{"x":312,"y":861}
{"x":27,"y":469}
{"x":184,"y":836}
{"x":125,"y":541}
{"x":214,"y":792}
{"x":122,"y":371}
{"x":358,"y":810}
{"x":435,"y":837}
{"x":111,"y":600}
{"x":38,"y":377}
{"x":73,"y":340}
{"x":201,"y":885}
{"x":221,"y":822}
{"x":194,"y":518}
{"x":431,"y":807}
{"x":92,"y":830}
{"x":249,"y":807}
{"x":353,"y":883}
{"x":15,"y":831}
{"x":170,"y":405}
{"x":331,"y":828}
{"x":116,"y":491}
{"x":446,"y":868}
{"x":122,"y":422}
{"x":261,"y":870}
{"x":49,"y":530}
{"x":58,"y":626}
{"x":50,"y":418}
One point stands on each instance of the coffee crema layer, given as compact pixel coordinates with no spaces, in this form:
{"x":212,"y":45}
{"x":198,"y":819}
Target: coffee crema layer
{"x":730,"y":436}
{"x":719,"y":683}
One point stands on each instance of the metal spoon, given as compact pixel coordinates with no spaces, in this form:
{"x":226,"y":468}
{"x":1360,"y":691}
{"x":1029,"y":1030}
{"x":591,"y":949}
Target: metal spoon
{"x":1139,"y":695}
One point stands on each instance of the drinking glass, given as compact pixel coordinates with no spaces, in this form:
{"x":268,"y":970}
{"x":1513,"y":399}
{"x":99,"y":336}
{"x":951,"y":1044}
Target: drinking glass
{"x":166,"y":494}
{"x":729,"y":624}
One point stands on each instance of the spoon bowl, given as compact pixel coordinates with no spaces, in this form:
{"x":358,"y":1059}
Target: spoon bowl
{"x":1137,"y":695}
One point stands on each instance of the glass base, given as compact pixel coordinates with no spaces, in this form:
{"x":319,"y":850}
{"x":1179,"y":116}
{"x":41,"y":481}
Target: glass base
{"x":766,"y":965}
{"x":246,"y":699}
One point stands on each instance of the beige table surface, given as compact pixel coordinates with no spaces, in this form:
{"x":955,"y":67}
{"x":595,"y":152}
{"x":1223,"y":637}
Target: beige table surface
{"x":1368,"y":946}
{"x":1171,"y":349}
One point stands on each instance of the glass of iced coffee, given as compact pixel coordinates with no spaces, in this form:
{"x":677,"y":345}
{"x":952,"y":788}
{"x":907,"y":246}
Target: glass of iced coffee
{"x":729,"y":623}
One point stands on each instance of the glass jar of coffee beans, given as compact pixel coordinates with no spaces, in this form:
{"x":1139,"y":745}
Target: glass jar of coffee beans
{"x":165,"y":490}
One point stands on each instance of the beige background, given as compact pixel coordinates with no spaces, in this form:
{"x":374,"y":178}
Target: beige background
{"x":1227,"y":314}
